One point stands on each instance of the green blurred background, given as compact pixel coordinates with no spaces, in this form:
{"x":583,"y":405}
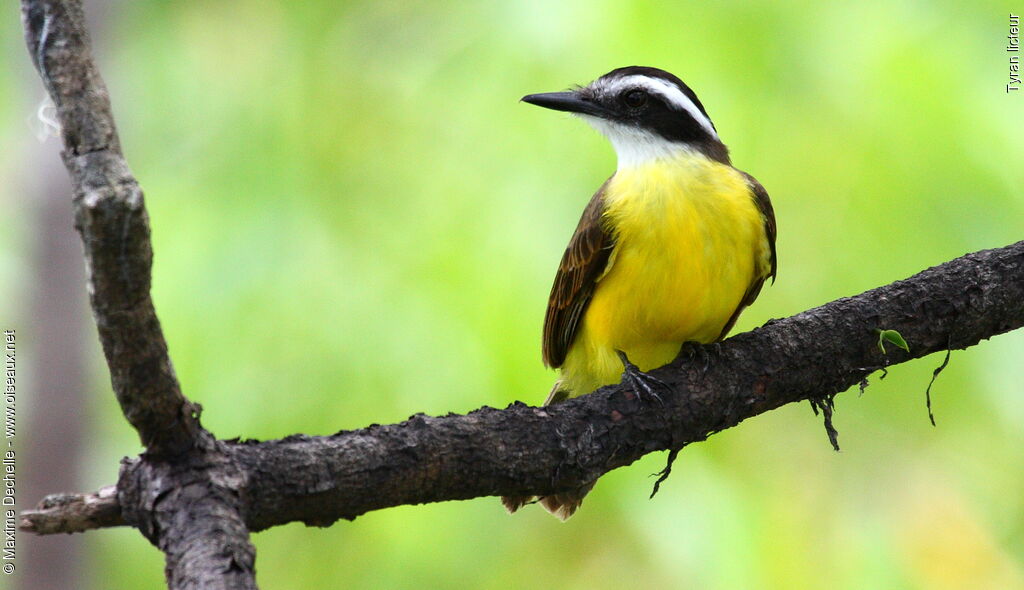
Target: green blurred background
{"x":355,"y":220}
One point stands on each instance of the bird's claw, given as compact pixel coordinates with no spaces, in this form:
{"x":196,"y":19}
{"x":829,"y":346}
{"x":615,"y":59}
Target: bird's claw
{"x":693,"y":349}
{"x":642,"y":383}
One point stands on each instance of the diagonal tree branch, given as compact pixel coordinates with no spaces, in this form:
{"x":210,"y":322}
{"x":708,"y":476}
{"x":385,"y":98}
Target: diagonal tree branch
{"x":111,"y":217}
{"x":194,"y":512}
{"x":525,"y":450}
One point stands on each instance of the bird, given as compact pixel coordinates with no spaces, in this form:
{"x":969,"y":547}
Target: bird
{"x":668,"y":252}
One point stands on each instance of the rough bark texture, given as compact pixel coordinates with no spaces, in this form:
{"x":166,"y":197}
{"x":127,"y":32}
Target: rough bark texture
{"x":189,"y":505}
{"x":196,"y":498}
{"x":74,"y":513}
{"x":111,"y":218}
{"x":191,"y":508}
{"x":524,"y":450}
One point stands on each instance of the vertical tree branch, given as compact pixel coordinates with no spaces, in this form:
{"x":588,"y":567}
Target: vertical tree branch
{"x":192,"y":510}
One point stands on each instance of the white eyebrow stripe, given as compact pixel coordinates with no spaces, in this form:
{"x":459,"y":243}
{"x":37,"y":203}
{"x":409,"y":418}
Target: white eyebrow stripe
{"x":669,"y":92}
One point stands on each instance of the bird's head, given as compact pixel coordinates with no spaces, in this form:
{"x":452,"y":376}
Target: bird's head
{"x":646,"y":113}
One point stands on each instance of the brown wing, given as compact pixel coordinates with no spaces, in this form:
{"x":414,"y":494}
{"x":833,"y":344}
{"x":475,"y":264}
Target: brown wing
{"x":584,"y":261}
{"x":765,"y":205}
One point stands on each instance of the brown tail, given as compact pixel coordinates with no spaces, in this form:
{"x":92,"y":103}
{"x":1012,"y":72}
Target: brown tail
{"x":561,"y":505}
{"x":513,"y":503}
{"x":565,"y":504}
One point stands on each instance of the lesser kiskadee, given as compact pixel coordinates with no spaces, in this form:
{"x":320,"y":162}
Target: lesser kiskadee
{"x":669,"y":250}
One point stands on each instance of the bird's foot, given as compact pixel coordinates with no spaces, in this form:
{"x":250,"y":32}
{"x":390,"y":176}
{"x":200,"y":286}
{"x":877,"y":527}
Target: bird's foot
{"x":694,"y":350}
{"x":643,"y":384}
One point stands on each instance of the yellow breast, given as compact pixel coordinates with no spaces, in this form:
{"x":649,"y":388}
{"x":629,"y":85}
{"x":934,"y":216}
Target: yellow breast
{"x":689,"y":242}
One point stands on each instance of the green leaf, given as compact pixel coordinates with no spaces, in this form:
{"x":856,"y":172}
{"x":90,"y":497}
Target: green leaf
{"x":892,"y":337}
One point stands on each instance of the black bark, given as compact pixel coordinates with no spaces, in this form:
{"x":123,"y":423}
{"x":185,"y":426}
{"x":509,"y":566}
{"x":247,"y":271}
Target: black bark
{"x":524,"y":450}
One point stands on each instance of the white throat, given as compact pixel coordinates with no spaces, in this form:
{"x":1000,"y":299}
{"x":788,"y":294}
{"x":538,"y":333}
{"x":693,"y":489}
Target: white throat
{"x":636,"y":147}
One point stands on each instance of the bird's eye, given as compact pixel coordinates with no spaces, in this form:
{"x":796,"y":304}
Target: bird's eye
{"x":635,"y":99}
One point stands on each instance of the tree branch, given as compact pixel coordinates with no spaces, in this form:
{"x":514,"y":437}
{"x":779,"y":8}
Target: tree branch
{"x":192,"y":511}
{"x":525,"y":450}
{"x":111,"y":217}
{"x":73,"y":513}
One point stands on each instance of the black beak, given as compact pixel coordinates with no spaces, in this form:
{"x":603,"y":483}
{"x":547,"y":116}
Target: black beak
{"x":570,"y":102}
